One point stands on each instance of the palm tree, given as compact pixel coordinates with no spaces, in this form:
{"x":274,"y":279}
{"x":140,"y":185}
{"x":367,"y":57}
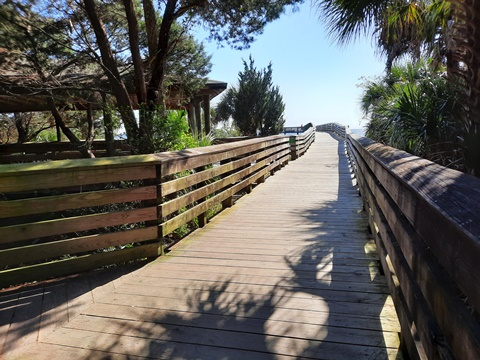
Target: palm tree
{"x":449,"y":30}
{"x":413,"y":108}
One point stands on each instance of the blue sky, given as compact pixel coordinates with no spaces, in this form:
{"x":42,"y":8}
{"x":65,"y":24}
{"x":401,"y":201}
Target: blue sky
{"x":317,"y":78}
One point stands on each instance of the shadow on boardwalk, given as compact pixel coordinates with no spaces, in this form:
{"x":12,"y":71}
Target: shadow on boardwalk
{"x":344,"y":253}
{"x":317,"y":297}
{"x":29,"y":313}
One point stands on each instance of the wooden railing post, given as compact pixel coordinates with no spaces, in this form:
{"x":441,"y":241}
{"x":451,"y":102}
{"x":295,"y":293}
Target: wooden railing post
{"x":159,"y":200}
{"x":293,"y":147}
{"x":202,"y":218}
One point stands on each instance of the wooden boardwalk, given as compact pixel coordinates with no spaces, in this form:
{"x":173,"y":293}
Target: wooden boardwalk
{"x":288,"y":272}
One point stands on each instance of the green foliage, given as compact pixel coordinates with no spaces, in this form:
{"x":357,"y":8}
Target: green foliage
{"x":256,"y":106}
{"x":173,"y":133}
{"x":188,"y":63}
{"x":225,"y":131}
{"x":400,"y":27}
{"x":49,"y":135}
{"x":415,"y":109}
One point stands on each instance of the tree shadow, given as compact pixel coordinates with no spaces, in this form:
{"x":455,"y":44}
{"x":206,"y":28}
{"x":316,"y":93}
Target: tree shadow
{"x":30,"y":312}
{"x":330,"y":304}
{"x":345,"y":271}
{"x":325,"y":301}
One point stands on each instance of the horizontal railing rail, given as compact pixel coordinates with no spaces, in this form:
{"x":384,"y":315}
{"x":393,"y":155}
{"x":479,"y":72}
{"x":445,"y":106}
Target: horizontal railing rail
{"x":64,"y":217}
{"x":426,"y":223}
{"x":63,"y":150}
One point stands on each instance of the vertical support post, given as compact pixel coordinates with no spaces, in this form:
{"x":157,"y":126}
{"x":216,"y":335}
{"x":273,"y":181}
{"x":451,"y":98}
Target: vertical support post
{"x":157,"y":182}
{"x":228,"y":202}
{"x":198,"y":115}
{"x":293,"y":147}
{"x":202,"y":218}
{"x":159,"y":200}
{"x":191,"y":117}
{"x":206,"y":113}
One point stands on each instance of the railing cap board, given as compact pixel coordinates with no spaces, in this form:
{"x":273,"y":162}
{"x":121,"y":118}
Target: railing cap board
{"x":77,"y":164}
{"x":175,"y":161}
{"x":133,"y":160}
{"x":445,"y":211}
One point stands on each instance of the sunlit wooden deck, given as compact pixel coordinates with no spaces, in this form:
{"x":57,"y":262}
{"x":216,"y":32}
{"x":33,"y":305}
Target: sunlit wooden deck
{"x":288,"y":272}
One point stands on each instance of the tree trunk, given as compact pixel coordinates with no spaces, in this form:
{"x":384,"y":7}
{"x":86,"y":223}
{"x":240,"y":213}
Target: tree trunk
{"x":466,"y":51}
{"x":21,"y":129}
{"x":108,"y":127}
{"x":119,"y":89}
{"x":87,"y":153}
{"x":90,"y":126}
{"x":133,"y":37}
{"x":151,"y":27}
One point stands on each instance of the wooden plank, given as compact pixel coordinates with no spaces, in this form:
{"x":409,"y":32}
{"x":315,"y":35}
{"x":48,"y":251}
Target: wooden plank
{"x":146,"y":347}
{"x":24,"y":327}
{"x":11,"y":234}
{"x":31,"y":253}
{"x":75,"y":265}
{"x":8,"y":306}
{"x":54,"y":309}
{"x":44,"y":204}
{"x":31,"y":179}
{"x":237,"y":340}
{"x":258,"y":325}
{"x":259,"y":278}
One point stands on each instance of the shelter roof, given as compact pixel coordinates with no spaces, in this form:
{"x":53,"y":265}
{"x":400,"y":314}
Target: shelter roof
{"x":26,"y":93}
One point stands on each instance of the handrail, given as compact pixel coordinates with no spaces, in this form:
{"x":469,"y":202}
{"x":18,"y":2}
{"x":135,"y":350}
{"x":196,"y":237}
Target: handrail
{"x":335,"y":128}
{"x":64,"y":217}
{"x":425,"y":221}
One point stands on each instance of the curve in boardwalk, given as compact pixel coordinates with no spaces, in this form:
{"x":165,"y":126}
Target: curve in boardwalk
{"x":289,"y":272}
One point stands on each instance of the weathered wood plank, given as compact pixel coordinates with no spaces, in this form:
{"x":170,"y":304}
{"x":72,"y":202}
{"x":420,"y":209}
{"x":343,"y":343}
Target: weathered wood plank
{"x":44,"y":204}
{"x":27,"y":254}
{"x":179,"y":202}
{"x":341,"y":331}
{"x":75,"y":265}
{"x":175,"y":162}
{"x":29,"y":178}
{"x":14,"y":233}
{"x":301,"y":348}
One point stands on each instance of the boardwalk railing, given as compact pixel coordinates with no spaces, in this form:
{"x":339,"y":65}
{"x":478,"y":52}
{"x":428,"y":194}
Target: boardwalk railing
{"x":300,"y":144}
{"x":68,"y":216}
{"x":335,"y":128}
{"x":29,"y":152}
{"x":425,"y":219}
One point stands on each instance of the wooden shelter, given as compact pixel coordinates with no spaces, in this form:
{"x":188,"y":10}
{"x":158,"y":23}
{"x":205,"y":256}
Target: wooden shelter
{"x":26,"y":93}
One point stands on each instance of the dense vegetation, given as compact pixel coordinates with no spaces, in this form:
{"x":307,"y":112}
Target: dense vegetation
{"x":428,"y":100}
